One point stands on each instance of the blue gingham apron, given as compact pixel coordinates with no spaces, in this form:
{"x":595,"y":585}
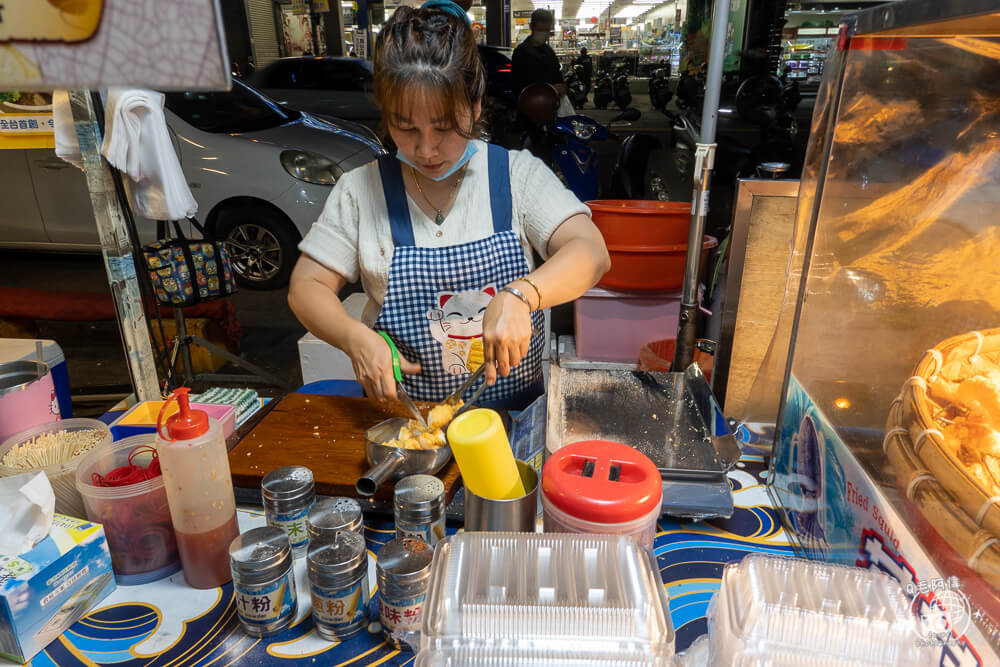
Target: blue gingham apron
{"x":423,"y":281}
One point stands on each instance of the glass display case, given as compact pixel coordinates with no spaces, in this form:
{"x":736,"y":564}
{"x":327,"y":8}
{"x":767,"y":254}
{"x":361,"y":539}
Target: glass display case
{"x":887,"y":451}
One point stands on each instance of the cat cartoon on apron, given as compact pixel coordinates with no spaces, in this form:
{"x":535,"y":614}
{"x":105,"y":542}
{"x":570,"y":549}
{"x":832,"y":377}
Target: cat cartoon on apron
{"x":457,"y":325}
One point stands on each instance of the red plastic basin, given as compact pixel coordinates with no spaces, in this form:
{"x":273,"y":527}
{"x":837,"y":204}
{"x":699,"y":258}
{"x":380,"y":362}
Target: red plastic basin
{"x":628,"y":222}
{"x":650,"y":268}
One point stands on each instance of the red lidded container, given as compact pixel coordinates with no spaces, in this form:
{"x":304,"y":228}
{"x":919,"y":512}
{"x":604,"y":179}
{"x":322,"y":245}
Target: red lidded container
{"x":599,"y":486}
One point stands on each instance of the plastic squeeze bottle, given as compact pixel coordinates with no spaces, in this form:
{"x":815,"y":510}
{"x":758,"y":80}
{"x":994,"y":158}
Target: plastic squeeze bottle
{"x":195,"y":467}
{"x":482,"y":452}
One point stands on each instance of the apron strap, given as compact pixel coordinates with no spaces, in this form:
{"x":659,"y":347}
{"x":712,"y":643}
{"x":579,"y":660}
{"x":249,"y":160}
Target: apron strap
{"x":499,"y":174}
{"x":399,"y":211}
{"x":395,"y":200}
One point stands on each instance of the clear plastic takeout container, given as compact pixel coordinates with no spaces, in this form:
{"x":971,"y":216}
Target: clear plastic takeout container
{"x":791,"y":612}
{"x":556,"y":599}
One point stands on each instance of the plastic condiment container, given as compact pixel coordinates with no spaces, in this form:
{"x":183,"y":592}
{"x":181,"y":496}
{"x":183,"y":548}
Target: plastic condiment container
{"x":195,"y":466}
{"x":338,"y":577}
{"x":288,"y":494}
{"x":483,"y":454}
{"x":136,"y":517}
{"x":329,"y":516}
{"x":263,"y":580}
{"x":403,"y":569}
{"x":418,"y":507}
{"x":599,"y":486}
{"x":62,"y":476}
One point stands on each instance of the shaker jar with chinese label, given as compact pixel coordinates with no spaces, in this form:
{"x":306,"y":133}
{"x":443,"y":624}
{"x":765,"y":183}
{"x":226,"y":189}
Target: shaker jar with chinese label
{"x":338,"y":577}
{"x":288,"y":495}
{"x":263,"y":580}
{"x":419,"y":508}
{"x":404,"y":569}
{"x":329,"y":516}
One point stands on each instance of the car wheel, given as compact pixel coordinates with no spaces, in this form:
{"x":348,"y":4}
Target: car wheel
{"x":262,"y":245}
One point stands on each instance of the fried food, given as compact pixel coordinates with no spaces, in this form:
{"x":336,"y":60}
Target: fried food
{"x":415,"y":436}
{"x":973,"y":434}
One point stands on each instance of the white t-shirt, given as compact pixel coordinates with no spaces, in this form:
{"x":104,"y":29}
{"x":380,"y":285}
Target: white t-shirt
{"x":353,"y":236}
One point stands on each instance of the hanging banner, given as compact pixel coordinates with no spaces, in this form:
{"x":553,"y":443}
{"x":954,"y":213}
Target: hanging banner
{"x":26,"y":120}
{"x":49,"y":44}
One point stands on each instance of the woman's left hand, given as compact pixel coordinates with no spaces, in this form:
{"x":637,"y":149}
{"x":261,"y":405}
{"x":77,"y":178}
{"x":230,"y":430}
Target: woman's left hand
{"x":506,"y":335}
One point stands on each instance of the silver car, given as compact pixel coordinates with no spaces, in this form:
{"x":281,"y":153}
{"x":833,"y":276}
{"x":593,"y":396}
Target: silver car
{"x":260,"y":173}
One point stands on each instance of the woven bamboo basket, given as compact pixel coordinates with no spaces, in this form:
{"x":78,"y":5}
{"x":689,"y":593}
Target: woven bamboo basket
{"x":964,"y":513}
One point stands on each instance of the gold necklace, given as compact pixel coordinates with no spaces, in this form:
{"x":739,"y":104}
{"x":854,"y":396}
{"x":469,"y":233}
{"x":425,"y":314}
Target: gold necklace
{"x":439,"y":216}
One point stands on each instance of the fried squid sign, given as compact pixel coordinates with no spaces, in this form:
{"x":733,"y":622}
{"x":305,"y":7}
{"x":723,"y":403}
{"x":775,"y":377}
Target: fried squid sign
{"x":73,"y":44}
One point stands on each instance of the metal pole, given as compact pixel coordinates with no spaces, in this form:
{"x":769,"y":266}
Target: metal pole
{"x":116,"y":249}
{"x":704,"y":162}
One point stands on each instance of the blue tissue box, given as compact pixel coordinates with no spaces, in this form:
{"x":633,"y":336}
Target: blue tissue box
{"x":49,"y":588}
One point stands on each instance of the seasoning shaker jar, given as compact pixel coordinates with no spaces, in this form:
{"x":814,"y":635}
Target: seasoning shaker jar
{"x":288,"y":495}
{"x":332,"y":515}
{"x":418,"y":506}
{"x":263,"y":580}
{"x":403,"y":570}
{"x":338,"y":577}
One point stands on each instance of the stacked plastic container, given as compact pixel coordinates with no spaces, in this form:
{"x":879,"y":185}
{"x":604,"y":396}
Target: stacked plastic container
{"x":788,"y":612}
{"x":544,"y":600}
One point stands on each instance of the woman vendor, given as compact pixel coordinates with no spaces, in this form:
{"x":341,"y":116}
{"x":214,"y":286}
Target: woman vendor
{"x":441,"y":232}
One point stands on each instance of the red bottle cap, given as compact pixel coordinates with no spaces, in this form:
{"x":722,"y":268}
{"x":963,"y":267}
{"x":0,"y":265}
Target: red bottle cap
{"x":602,"y":481}
{"x":187,"y":424}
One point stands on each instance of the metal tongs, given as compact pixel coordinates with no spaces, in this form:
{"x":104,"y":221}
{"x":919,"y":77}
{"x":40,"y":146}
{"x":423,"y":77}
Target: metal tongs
{"x":457,"y":394}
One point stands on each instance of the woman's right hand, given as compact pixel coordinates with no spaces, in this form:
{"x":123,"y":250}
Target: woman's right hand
{"x":372,"y":360}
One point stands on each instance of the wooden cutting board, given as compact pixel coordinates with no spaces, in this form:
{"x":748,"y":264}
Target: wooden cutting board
{"x":327,"y":435}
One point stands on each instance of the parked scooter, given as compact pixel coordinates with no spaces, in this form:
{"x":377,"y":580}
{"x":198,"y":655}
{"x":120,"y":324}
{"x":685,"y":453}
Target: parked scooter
{"x":659,"y":88}
{"x":690,"y":90}
{"x":604,"y":90}
{"x":576,"y":89}
{"x":577,"y":161}
{"x":622,"y":92}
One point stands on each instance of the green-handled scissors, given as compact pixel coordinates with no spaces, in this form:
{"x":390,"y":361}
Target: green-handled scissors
{"x":397,"y":373}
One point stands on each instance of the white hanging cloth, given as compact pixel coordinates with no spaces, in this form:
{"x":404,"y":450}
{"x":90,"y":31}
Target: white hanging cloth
{"x":137,"y":143}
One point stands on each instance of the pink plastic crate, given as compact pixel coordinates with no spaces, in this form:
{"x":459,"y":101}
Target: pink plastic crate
{"x":612,"y":326}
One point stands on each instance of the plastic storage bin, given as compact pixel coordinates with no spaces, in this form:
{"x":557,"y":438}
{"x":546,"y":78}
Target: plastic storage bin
{"x":597,"y":486}
{"x":790,"y":612}
{"x":136,"y":517}
{"x":612,"y":326}
{"x":529,"y":599}
{"x":62,"y":476}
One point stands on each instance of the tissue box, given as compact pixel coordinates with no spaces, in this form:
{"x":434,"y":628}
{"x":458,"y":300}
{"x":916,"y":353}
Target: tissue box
{"x":46,"y":590}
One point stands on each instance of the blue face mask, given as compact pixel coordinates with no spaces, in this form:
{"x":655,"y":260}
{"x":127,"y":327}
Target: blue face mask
{"x":470,"y":150}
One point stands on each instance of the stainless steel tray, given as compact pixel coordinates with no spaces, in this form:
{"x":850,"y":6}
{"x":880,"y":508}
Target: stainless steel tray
{"x":671,"y":417}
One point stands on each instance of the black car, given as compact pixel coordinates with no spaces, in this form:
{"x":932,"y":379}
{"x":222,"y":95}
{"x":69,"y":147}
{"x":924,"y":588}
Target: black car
{"x":323,"y":85}
{"x":343,"y":87}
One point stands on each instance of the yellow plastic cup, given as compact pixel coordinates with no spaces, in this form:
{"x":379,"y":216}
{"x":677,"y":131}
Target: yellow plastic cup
{"x":483,"y":455}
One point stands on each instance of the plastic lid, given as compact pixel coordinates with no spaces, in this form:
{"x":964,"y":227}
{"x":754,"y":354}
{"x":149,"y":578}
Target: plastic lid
{"x":186,"y":424}
{"x":546,"y":599}
{"x":602,"y":481}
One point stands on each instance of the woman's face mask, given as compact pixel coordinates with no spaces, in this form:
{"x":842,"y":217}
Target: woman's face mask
{"x":428,"y":144}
